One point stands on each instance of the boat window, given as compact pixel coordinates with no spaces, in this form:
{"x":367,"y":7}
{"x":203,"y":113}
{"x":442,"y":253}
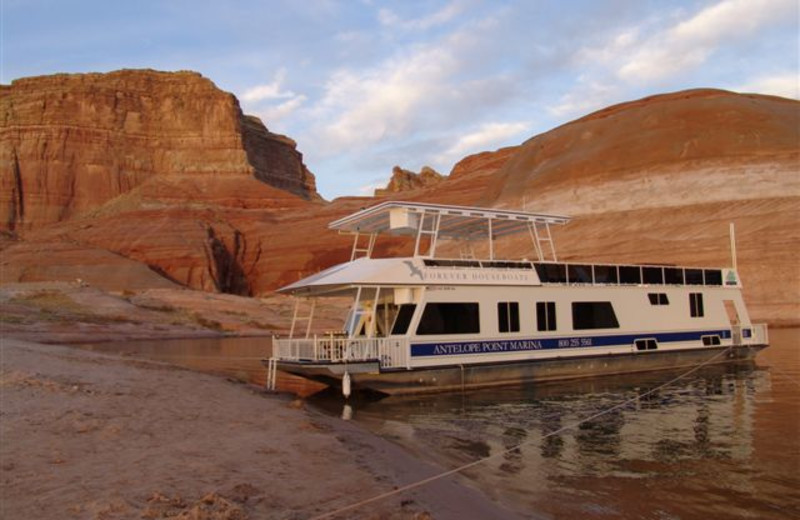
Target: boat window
{"x":605,"y":274}
{"x":508,"y":316}
{"x":451,"y":263}
{"x":673,"y":275}
{"x":449,"y":318}
{"x":580,"y":273}
{"x":711,"y":341}
{"x":694,"y":276}
{"x":593,"y":315}
{"x":551,"y":273}
{"x":630,"y":274}
{"x":507,"y":264}
{"x":713,"y":277}
{"x":546,"y":315}
{"x":658,"y":298}
{"x":696,"y":305}
{"x":403,"y":319}
{"x":653,"y":275}
{"x":646,"y":344}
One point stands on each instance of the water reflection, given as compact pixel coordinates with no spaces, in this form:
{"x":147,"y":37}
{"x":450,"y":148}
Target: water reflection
{"x":689,"y":450}
{"x":724,"y":442}
{"x":234,"y":357}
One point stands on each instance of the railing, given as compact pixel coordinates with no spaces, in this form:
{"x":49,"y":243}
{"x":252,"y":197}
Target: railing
{"x":390,"y":352}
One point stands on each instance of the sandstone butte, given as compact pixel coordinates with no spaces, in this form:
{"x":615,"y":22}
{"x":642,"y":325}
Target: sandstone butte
{"x":143,"y":179}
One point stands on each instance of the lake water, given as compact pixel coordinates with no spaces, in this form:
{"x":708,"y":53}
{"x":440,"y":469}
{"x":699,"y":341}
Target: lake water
{"x":722,"y":443}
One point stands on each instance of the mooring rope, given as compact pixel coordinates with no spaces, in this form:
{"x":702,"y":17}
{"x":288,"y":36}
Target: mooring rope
{"x":474,"y":463}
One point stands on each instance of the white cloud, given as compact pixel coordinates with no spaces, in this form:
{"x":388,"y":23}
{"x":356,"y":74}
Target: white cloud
{"x":268,"y":91}
{"x":785,"y":85}
{"x":662,"y":51}
{"x":366,"y":106}
{"x":276,"y":113}
{"x":489,"y":135}
{"x":389,"y":18}
{"x":369,"y":189}
{"x":587,"y":97}
{"x":688,"y":44}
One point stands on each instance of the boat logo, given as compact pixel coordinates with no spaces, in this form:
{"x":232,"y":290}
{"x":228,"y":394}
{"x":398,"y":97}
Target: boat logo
{"x":415,"y":271}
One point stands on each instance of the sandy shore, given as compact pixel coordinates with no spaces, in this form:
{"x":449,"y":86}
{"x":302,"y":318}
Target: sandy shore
{"x":60,"y":312}
{"x":85,"y":435}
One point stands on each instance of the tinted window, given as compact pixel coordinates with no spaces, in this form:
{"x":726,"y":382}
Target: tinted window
{"x":653,"y":275}
{"x":713,"y":277}
{"x":580,"y":274}
{"x":593,"y":315}
{"x":403,"y":319}
{"x":508,"y":316}
{"x":545,"y":315}
{"x":605,"y":274}
{"x":694,"y":276}
{"x":629,"y":274}
{"x":696,"y":305}
{"x":658,"y":299}
{"x":449,"y":318}
{"x":673,"y":275}
{"x":552,"y":273}
{"x":646,"y":344}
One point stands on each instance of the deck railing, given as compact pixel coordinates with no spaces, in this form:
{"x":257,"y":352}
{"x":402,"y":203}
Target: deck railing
{"x":390,"y":352}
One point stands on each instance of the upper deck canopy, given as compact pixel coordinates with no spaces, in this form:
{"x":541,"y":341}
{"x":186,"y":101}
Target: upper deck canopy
{"x":461,"y":222}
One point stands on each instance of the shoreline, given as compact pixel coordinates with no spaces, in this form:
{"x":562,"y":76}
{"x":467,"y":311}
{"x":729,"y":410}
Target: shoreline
{"x":88,"y":435}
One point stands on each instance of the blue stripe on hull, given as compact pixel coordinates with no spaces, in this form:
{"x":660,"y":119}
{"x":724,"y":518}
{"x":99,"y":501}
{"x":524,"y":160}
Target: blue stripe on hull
{"x":526,"y":344}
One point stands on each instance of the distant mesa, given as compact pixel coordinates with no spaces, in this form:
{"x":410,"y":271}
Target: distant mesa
{"x":72,"y":142}
{"x":406,"y":180}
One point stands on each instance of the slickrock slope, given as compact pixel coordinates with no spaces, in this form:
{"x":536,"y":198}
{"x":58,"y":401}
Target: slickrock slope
{"x":71,"y":142}
{"x":669,"y":145}
{"x":658,"y":180}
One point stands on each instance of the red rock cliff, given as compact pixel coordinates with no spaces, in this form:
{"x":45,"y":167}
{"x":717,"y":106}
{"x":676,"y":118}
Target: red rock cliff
{"x":71,"y":142}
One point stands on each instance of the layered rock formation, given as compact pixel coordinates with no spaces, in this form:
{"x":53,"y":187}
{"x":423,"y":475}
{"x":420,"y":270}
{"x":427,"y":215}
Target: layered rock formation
{"x":72,"y":142}
{"x":101,"y":183}
{"x":406,"y":180}
{"x":658,"y":180}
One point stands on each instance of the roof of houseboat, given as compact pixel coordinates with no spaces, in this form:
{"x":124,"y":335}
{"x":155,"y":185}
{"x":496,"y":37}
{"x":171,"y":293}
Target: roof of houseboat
{"x":464,"y":222}
{"x":470,"y":223}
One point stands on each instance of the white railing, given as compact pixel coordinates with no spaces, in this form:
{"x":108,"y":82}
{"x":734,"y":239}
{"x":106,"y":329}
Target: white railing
{"x":390,"y":352}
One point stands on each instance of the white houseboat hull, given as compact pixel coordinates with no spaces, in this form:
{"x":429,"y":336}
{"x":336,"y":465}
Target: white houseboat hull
{"x":429,"y":323}
{"x":455,"y":378}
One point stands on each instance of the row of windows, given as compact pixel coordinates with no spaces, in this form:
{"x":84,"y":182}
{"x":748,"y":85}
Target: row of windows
{"x":626,"y":274}
{"x":464,"y":318}
{"x":600,"y":274}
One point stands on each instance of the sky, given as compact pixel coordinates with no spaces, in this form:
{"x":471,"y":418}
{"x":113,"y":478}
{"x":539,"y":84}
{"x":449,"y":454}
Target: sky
{"x":364,"y":85}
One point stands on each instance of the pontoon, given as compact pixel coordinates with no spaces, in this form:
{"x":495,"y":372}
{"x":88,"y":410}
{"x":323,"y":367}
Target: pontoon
{"x":463,"y":311}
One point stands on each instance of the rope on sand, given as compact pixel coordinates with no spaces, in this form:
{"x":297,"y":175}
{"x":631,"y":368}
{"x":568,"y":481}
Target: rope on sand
{"x":472,"y":464}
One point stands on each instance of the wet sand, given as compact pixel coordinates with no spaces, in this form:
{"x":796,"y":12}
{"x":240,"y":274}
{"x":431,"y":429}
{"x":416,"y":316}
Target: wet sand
{"x":87,"y":435}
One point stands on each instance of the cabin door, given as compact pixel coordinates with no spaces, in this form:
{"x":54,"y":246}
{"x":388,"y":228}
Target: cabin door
{"x":733,"y":318}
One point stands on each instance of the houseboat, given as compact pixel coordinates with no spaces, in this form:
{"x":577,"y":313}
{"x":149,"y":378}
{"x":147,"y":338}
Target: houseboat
{"x":460,"y":311}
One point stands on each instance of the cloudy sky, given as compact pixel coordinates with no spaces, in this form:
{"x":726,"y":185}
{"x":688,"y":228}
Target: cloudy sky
{"x":363,"y":85}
